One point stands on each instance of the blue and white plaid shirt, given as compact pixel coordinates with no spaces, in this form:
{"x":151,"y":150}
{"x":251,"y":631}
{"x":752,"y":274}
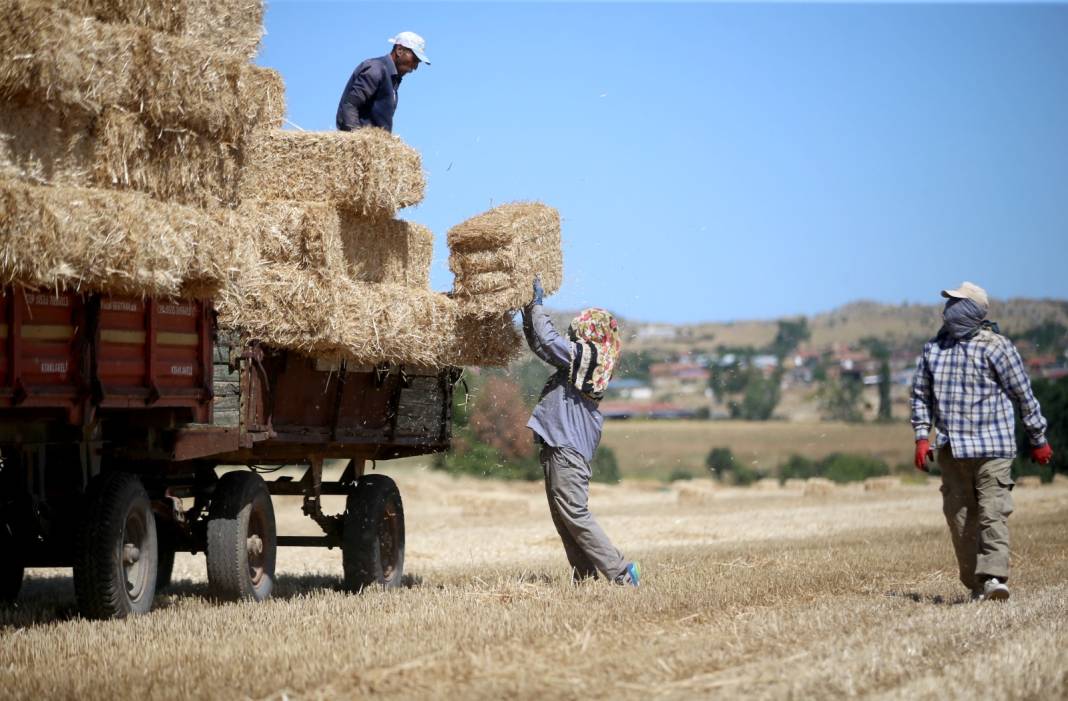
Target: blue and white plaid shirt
{"x":968,"y":388}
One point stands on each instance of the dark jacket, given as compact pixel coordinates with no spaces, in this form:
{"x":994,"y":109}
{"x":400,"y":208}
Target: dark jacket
{"x":370,"y":96}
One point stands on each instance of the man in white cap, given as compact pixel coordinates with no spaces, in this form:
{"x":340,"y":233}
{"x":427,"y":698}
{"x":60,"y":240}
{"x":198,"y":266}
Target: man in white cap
{"x":965,"y":384}
{"x":370,"y":96}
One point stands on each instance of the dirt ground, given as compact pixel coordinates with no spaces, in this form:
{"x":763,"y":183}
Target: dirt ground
{"x":757,"y":593}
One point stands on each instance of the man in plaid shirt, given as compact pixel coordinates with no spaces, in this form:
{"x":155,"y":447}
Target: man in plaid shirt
{"x":965,"y":383}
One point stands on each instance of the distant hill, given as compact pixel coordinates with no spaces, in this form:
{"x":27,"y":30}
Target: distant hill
{"x":897,"y":324}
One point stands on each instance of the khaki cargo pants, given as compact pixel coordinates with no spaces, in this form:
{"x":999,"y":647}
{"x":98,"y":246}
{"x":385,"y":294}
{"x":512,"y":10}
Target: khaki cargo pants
{"x":977,"y":501}
{"x":567,"y":486}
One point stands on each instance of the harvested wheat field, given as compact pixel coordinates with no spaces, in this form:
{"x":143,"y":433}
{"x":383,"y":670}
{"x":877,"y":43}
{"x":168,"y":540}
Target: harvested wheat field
{"x":746,"y":594}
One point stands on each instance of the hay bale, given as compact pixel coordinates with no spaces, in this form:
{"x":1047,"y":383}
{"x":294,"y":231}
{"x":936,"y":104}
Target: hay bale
{"x":694,"y":493}
{"x":50,"y":56}
{"x":116,"y":150}
{"x":485,"y":341}
{"x":304,"y":234}
{"x":234,"y":27}
{"x":794,"y":484}
{"x":369,"y":171}
{"x":507,"y":246}
{"x":91,"y":240}
{"x":297,"y":309}
{"x":818,"y":487}
{"x":170,"y":164}
{"x":391,"y":251}
{"x":44,"y":146}
{"x":881,"y":484}
{"x":767,"y":484}
{"x":184,"y":84}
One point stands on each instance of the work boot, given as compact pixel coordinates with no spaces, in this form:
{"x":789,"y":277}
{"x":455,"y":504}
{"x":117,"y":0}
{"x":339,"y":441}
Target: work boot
{"x":994,"y":590}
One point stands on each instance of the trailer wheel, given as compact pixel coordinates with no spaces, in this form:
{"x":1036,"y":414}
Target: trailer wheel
{"x":242,"y":541}
{"x":373,"y":538}
{"x":165,"y":538}
{"x":115,"y":556}
{"x":11,"y":569}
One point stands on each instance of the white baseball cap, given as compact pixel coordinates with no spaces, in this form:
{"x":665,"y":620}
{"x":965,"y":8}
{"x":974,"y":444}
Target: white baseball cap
{"x":969,"y":290}
{"x":411,"y":40}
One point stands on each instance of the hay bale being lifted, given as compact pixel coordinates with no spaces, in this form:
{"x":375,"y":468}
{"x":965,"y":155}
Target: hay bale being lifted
{"x":496,"y":255}
{"x":368,"y":171}
{"x":391,"y":251}
{"x":76,"y":64}
{"x":96,"y":241}
{"x":231,"y":26}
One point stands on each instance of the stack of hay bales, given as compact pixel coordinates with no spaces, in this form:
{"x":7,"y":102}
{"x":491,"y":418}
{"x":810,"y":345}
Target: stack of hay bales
{"x":145,"y":96}
{"x":141,"y":154}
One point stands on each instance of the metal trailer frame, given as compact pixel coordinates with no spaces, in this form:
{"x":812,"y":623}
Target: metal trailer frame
{"x":92,"y":385}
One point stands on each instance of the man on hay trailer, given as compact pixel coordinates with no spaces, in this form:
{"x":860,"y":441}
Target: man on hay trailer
{"x":370,"y":95}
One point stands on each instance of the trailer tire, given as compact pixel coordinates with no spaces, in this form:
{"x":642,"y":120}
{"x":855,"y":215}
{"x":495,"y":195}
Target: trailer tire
{"x":11,"y":569}
{"x":165,"y":539}
{"x":115,"y":556}
{"x":242,"y":539}
{"x":373,"y":537}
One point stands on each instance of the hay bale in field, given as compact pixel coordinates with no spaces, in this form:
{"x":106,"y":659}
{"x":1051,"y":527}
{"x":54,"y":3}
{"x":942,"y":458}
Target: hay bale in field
{"x":391,"y":251}
{"x":234,"y":27}
{"x":369,"y":171}
{"x":818,"y":487}
{"x":496,"y":255}
{"x":694,"y":493}
{"x":881,"y":484}
{"x":90,"y":240}
{"x":767,"y":484}
{"x":794,"y":484}
{"x":116,"y":150}
{"x":1029,"y":481}
{"x":50,"y":56}
{"x":304,"y":234}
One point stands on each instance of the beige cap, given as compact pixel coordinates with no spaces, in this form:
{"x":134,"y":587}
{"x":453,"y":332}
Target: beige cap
{"x":969,"y":290}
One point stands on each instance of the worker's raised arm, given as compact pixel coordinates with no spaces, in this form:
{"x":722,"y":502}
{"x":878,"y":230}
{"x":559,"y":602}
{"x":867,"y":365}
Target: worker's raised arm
{"x":361,"y":87}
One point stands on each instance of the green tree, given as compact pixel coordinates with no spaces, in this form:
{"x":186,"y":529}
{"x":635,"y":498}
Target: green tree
{"x":840,"y":398}
{"x":886,"y":411}
{"x":761,"y":396}
{"x":719,"y":462}
{"x":605,"y":466}
{"x":1052,"y":395}
{"x":790,"y":334}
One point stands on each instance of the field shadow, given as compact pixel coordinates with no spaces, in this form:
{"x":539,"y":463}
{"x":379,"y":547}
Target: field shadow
{"x":929,"y":599}
{"x":51,"y":599}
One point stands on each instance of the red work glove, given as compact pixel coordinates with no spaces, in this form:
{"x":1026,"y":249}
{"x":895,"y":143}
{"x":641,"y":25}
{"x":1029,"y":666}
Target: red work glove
{"x":923,"y":447}
{"x":1042,"y":454}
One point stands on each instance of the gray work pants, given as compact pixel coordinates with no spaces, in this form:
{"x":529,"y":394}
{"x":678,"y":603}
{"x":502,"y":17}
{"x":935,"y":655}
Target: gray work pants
{"x":977,"y":501}
{"x":567,"y":485}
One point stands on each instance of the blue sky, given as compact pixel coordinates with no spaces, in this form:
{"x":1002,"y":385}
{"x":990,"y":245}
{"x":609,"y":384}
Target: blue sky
{"x":720,"y":161}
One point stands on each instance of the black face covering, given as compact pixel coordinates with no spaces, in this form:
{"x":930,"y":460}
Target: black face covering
{"x":962,"y":318}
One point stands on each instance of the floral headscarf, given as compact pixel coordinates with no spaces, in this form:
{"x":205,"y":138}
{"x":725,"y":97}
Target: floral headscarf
{"x":595,"y":348}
